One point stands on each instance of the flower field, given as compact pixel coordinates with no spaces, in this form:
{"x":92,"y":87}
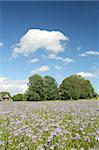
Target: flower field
{"x":60,"y":125}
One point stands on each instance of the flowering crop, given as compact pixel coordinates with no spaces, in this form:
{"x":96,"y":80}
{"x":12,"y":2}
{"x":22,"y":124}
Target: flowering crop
{"x":60,"y":125}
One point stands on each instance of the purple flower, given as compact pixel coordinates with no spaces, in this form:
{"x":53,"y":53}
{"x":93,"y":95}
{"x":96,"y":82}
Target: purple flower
{"x":97,"y":138}
{"x":97,"y":132}
{"x":87,"y":139}
{"x":40,"y":147}
{"x":77,"y":136}
{"x":1,"y":142}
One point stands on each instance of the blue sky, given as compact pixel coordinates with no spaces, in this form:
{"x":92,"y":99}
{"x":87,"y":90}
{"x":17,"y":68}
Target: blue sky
{"x":49,"y":38}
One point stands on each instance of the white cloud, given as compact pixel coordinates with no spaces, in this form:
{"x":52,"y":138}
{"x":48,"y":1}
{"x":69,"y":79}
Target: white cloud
{"x":34,"y":60}
{"x":40,"y":70}
{"x":86,"y":74}
{"x":1,"y":44}
{"x":58,"y":67}
{"x":65,"y":60}
{"x":91,"y":53}
{"x":89,"y":74}
{"x":12,"y":86}
{"x":36,"y":39}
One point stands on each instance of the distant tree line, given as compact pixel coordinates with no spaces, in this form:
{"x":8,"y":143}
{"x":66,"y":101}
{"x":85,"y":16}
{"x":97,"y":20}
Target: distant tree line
{"x":46,"y":88}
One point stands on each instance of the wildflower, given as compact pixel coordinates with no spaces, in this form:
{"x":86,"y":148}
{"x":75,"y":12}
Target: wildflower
{"x":21,"y":144}
{"x":40,"y":147}
{"x":81,"y":129}
{"x":10,"y":141}
{"x":77,"y":136}
{"x":87,"y":139}
{"x":81,"y":148}
{"x":2,"y":143}
{"x":52,"y":147}
{"x":97,"y":132}
{"x":0,"y":132}
{"x":16,"y":133}
{"x":97,"y":138}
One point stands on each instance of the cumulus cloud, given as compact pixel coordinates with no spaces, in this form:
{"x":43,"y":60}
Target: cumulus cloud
{"x":1,"y":44}
{"x":36,"y":39}
{"x":90,"y":53}
{"x":89,"y":74}
{"x":65,"y":60}
{"x":40,"y":69}
{"x":86,"y":74}
{"x":12,"y":86}
{"x":34,"y":60}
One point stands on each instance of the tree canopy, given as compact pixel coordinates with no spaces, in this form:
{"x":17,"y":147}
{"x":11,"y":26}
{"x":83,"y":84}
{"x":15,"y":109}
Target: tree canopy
{"x":19,"y":97}
{"x":46,"y":88}
{"x":42,"y":88}
{"x":76,"y":87}
{"x":35,"y":91}
{"x":2,"y":94}
{"x":72,"y":87}
{"x":50,"y":90}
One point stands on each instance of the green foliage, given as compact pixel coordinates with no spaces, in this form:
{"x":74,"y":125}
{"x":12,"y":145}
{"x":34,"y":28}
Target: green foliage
{"x":35,"y":90}
{"x":87,"y":90}
{"x":19,"y":97}
{"x":2,"y":94}
{"x":50,"y":90}
{"x":75,"y":87}
{"x":42,"y":88}
{"x":46,"y":88}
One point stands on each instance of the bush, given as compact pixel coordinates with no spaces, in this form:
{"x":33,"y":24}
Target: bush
{"x":19,"y":97}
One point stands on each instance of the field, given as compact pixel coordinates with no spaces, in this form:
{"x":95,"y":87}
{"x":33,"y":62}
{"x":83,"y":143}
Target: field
{"x":63,"y":125}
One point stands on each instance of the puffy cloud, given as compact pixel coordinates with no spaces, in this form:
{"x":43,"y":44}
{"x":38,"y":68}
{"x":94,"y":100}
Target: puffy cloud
{"x":86,"y":74}
{"x":12,"y":86}
{"x":90,"y":53}
{"x":65,"y":60}
{"x":36,"y":39}
{"x":40,"y":70}
{"x":89,"y":74}
{"x":34,"y":60}
{"x":1,"y":44}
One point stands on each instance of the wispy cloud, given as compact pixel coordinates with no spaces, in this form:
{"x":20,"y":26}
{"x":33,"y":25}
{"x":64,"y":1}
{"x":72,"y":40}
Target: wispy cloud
{"x":90,"y":53}
{"x":34,"y":60}
{"x":36,"y":39}
{"x":65,"y":60}
{"x":1,"y":44}
{"x":12,"y":86}
{"x":58,"y":67}
{"x":40,"y":69}
{"x":78,"y":48}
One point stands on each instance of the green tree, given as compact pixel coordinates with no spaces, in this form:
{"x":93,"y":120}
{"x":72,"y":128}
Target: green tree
{"x":87,"y":91}
{"x":50,"y":90}
{"x":19,"y":97}
{"x":2,"y":94}
{"x":35,"y":88}
{"x":75,"y":87}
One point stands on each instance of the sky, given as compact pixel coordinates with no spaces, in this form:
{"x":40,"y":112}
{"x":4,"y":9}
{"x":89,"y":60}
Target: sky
{"x":49,"y":38}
